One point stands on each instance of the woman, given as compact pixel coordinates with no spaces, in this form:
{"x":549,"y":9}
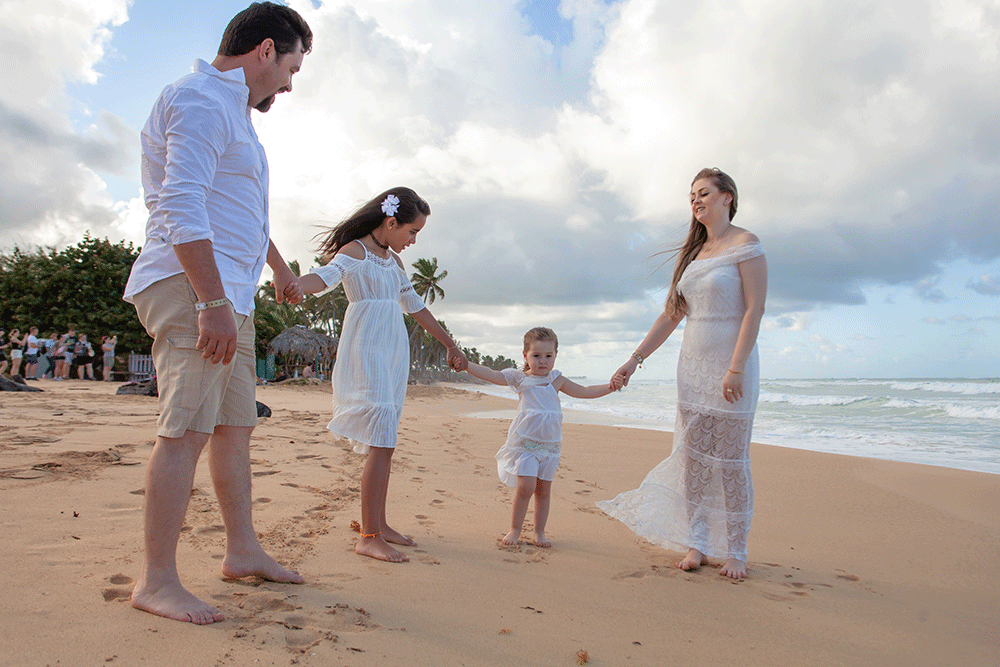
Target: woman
{"x":3,"y":354}
{"x":16,"y":350}
{"x":108,"y":344}
{"x":700,"y":499}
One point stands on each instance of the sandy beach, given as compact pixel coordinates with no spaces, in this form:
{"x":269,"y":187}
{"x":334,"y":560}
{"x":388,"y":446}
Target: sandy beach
{"x":852,"y":561}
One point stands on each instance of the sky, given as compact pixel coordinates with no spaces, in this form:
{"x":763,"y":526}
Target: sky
{"x":556,"y":143}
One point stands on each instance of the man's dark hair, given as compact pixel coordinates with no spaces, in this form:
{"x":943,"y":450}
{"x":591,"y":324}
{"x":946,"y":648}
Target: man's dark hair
{"x":263,"y":20}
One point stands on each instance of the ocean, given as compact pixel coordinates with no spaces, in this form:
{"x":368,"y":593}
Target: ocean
{"x":944,"y":422}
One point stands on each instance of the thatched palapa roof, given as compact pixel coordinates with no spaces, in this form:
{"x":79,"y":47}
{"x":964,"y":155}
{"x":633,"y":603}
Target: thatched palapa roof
{"x":300,"y":341}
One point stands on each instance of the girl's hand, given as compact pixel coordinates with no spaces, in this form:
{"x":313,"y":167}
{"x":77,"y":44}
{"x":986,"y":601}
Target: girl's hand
{"x":732,"y":386}
{"x":622,"y":375}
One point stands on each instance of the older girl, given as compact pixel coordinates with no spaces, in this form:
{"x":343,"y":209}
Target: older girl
{"x":373,"y":357}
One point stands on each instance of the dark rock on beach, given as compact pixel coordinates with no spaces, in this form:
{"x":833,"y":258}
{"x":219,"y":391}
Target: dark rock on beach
{"x":15,"y":383}
{"x":144,"y":388}
{"x":263,"y":410}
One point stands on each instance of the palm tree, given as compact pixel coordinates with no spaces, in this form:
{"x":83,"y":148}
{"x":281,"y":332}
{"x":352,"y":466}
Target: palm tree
{"x":425,"y":282}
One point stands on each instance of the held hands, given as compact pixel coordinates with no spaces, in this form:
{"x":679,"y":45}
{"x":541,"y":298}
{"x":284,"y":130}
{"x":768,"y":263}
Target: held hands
{"x":287,"y":290}
{"x":457,"y":360}
{"x":732,"y":386}
{"x":620,"y":379}
{"x":217,"y":335}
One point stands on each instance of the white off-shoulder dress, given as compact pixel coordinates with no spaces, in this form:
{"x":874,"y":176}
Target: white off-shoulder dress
{"x":534,"y":439}
{"x":701,"y":496}
{"x":373,"y":356}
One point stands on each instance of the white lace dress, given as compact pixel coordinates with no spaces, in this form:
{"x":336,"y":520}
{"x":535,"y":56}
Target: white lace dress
{"x":701,"y":496}
{"x":536,"y":430}
{"x":373,"y":356}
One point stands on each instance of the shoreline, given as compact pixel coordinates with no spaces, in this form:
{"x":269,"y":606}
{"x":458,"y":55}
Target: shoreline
{"x":985,"y":461}
{"x":845,"y":552}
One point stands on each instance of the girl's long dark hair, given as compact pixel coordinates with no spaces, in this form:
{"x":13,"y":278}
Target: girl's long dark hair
{"x":369,"y":216}
{"x":697,"y":235}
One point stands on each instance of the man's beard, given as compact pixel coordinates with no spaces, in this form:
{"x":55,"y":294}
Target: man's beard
{"x":265,"y":104}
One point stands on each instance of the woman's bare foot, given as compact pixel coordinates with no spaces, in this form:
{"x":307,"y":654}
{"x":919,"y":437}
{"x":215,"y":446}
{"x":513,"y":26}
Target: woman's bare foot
{"x":692,"y":561}
{"x":511,"y":538}
{"x":259,"y":564}
{"x":541,"y":541}
{"x":175,"y":602}
{"x":379,"y":549}
{"x":735,"y":569}
{"x":395,"y":537}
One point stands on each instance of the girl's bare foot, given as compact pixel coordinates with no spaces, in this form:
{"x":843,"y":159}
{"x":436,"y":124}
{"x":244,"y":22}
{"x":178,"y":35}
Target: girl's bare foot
{"x":511,"y":538}
{"x":692,"y":561}
{"x":541,"y":541}
{"x":175,"y":602}
{"x":259,"y":564}
{"x":379,"y":549}
{"x":733,"y":568}
{"x":395,"y":537}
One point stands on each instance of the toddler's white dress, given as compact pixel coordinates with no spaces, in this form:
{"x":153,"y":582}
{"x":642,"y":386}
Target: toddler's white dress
{"x":534,"y":439}
{"x":701,"y":496}
{"x":373,"y":356}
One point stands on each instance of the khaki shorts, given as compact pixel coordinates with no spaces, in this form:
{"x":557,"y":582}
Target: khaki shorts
{"x":195,"y":394}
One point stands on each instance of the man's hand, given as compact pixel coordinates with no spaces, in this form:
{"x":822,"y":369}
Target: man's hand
{"x":217,"y":335}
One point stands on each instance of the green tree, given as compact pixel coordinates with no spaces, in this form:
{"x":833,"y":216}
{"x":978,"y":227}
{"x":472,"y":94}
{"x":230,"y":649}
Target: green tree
{"x":79,"y":286}
{"x":426,"y":280}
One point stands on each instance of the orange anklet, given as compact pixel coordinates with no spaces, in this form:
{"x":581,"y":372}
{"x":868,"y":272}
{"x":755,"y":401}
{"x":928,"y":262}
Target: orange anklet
{"x":372,"y":535}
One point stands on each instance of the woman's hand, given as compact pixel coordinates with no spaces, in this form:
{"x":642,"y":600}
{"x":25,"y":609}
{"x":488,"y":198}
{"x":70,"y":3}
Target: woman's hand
{"x":732,"y":386}
{"x":621,"y":376}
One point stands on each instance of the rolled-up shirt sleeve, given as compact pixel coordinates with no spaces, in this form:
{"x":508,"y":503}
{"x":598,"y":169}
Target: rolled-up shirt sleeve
{"x":196,"y":139}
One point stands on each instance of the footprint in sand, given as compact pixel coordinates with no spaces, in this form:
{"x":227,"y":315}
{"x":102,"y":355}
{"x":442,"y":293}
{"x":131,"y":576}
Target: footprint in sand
{"x":424,"y":520}
{"x":116,"y":594}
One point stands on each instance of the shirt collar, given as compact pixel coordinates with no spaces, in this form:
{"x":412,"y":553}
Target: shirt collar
{"x":234,"y":77}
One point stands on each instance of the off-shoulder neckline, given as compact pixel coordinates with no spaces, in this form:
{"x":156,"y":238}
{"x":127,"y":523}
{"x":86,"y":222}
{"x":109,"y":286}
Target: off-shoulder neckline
{"x":729,"y":251}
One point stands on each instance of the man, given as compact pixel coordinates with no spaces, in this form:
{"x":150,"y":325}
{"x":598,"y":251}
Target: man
{"x":205,"y":177}
{"x":31,"y":354}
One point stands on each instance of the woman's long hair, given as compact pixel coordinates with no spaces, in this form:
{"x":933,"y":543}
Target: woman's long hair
{"x":697,"y":235}
{"x":369,"y":216}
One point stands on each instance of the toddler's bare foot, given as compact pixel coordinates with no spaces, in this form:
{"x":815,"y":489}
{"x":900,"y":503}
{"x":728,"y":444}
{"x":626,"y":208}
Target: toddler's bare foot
{"x":379,"y":549}
{"x":692,"y":561}
{"x":395,"y":537}
{"x":175,"y":602}
{"x":733,"y":568}
{"x":511,"y":538}
{"x":258,"y":564}
{"x":541,"y":541}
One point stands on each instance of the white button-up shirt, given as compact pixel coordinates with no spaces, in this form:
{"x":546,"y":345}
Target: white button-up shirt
{"x":205,"y":177}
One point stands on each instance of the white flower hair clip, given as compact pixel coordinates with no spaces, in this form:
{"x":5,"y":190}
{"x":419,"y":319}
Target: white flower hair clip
{"x":390,"y":205}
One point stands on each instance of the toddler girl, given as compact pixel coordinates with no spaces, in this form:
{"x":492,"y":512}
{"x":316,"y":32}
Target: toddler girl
{"x":529,"y":458}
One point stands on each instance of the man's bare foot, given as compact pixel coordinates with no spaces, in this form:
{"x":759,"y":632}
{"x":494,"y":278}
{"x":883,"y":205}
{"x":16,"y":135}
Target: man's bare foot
{"x":511,"y":538}
{"x":541,"y":541}
{"x":395,"y":537}
{"x":175,"y":602}
{"x":379,"y":549}
{"x":735,"y":569}
{"x":258,"y":564}
{"x":692,"y":561}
